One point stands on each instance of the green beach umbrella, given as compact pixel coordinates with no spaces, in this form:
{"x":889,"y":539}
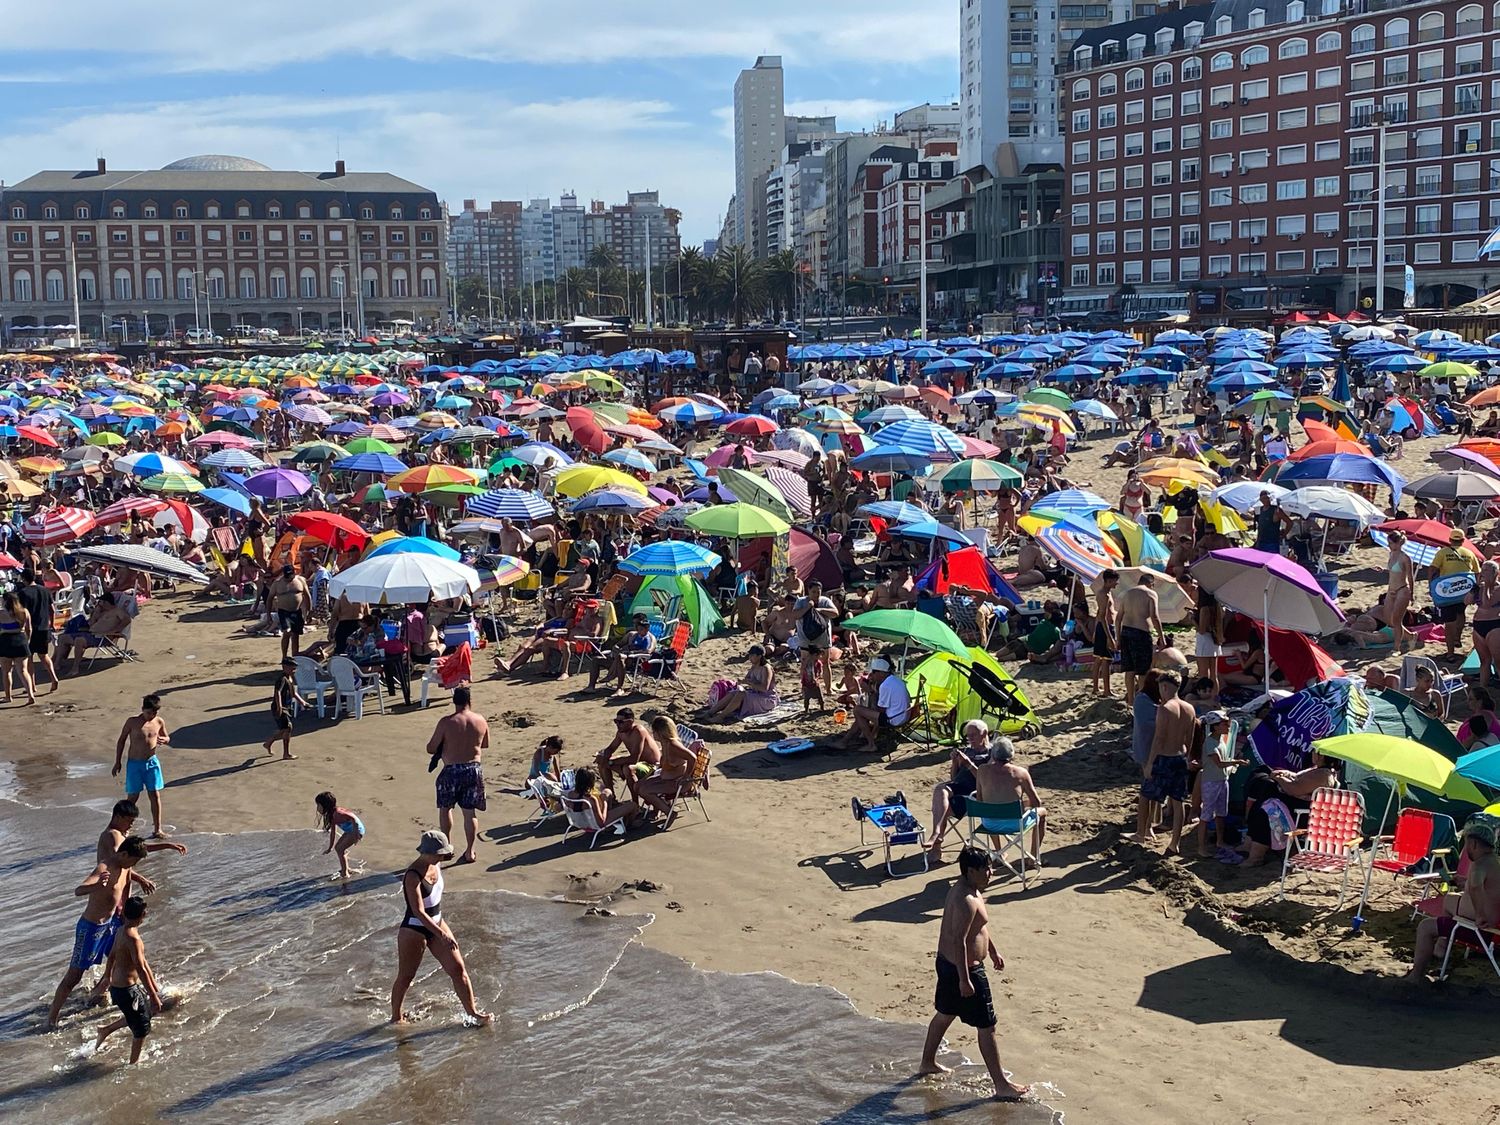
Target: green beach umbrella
{"x":370,"y":445}
{"x":977,"y":474}
{"x":737,"y":521}
{"x":1447,"y":369}
{"x":1050,"y":396}
{"x":908,"y":625}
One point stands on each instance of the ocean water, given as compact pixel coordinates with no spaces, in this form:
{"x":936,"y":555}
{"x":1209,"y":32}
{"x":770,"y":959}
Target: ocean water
{"x":278,"y":979}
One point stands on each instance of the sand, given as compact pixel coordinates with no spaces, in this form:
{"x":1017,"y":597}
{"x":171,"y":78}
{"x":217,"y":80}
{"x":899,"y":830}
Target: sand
{"x":1128,"y":984}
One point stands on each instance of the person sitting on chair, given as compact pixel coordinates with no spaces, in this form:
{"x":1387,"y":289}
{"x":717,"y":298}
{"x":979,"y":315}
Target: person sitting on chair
{"x":109,"y":620}
{"x":637,"y":645}
{"x":887,"y":706}
{"x":1002,"y":782}
{"x":1480,"y":900}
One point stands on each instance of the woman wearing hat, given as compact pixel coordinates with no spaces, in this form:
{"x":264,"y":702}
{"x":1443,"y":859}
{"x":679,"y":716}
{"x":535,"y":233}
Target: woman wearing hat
{"x":422,"y":928}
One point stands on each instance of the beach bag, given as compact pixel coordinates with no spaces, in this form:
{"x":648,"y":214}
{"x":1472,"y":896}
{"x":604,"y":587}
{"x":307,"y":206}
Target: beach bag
{"x":719,"y":689}
{"x":1281,"y":822}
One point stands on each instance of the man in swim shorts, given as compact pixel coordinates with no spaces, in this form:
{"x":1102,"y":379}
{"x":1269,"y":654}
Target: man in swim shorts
{"x":94,"y":935}
{"x":459,"y":739}
{"x":143,"y":733}
{"x":1138,"y":616}
{"x":132,"y":984}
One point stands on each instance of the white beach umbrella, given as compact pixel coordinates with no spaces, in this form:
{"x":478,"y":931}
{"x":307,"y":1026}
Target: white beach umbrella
{"x":404,"y":578}
{"x":1333,"y":503}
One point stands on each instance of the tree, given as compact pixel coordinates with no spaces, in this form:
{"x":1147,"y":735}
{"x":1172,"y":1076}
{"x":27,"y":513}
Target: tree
{"x":739,"y":282}
{"x":783,"y":280}
{"x":472,"y":299}
{"x":601,"y":256}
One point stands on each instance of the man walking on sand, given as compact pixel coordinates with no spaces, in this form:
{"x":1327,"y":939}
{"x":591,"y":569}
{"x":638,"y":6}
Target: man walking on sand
{"x":963,"y":990}
{"x":142,"y":734}
{"x":293,"y":604}
{"x":459,"y":739}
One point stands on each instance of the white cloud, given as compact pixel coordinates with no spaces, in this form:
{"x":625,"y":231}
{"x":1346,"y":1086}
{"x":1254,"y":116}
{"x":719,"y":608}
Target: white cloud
{"x":187,"y":36}
{"x":459,"y":144}
{"x":853,"y":113}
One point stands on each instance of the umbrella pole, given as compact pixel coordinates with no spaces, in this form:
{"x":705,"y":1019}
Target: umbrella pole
{"x":1265,"y":624}
{"x":1359,"y":911}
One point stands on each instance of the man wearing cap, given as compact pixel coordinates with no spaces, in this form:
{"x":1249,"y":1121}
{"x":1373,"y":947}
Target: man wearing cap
{"x":293,"y":603}
{"x":1456,"y":558}
{"x":891,"y":707}
{"x":1480,"y":900}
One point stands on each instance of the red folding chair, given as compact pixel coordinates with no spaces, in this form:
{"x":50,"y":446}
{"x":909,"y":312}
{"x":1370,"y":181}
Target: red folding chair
{"x":1409,"y":851}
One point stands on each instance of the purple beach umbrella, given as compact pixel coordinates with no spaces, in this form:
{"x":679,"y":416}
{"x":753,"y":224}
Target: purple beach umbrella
{"x":277,"y":484}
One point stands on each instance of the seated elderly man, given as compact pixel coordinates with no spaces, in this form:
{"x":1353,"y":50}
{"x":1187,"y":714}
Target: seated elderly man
{"x":1002,"y":782}
{"x":887,"y":705}
{"x":108,"y":620}
{"x":591,"y":629}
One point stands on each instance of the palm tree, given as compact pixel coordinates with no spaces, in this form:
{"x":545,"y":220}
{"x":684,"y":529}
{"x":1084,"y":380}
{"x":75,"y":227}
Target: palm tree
{"x":739,"y":282}
{"x":601,"y":256}
{"x":783,"y":278}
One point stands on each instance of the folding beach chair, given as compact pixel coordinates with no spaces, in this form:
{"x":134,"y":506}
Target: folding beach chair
{"x":666,"y":663}
{"x":896,"y":825}
{"x":581,"y":818}
{"x":118,"y":646}
{"x":1414,"y":848}
{"x":1009,"y":827}
{"x":1329,"y":839}
{"x":691,"y":787}
{"x":1469,"y":935}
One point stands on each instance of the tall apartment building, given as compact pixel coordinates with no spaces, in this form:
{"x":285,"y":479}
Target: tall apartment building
{"x":1009,"y":53}
{"x":900,"y":213}
{"x":759,"y":134}
{"x":486,"y":243}
{"x":223,"y":235}
{"x":1225,"y":156}
{"x":540,"y":241}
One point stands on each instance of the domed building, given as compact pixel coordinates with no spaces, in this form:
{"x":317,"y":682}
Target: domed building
{"x":222,"y":241}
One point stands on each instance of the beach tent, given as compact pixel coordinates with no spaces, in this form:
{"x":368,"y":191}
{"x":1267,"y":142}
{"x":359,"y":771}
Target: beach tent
{"x":1408,"y":414}
{"x":941,"y":681}
{"x":966,"y":567}
{"x":697,"y":604}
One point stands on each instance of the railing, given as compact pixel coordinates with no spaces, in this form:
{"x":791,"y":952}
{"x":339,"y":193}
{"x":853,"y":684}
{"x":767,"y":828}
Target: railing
{"x":1430,"y":34}
{"x":1363,"y":156}
{"x":1461,"y":186}
{"x":1362,"y":83}
{"x":1425,"y":152}
{"x":1395,"y":77}
{"x":1469,"y":27}
{"x":1429,"y":73}
{"x":1428,"y":113}
{"x":1470,"y":67}
{"x":1427,"y":226}
{"x":1466,"y":224}
{"x":1361,"y":46}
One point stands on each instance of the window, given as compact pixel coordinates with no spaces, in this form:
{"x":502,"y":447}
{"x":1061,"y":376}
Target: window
{"x":1135,"y":112}
{"x":1220,"y":129}
{"x":182,"y":236}
{"x":1468,"y":58}
{"x":1108,"y":117}
{"x":367,"y":212}
{"x":21,"y":286}
{"x":54,"y":286}
{"x":1161,"y":74}
{"x":1192,"y":70}
{"x":1080,"y":276}
{"x":1135,"y":79}
{"x":1325,"y":259}
{"x":215,"y":284}
{"x":211,"y":211}
{"x":214,"y":235}
{"x":154,"y":287}
{"x":18,"y":212}
{"x":247,"y":289}
{"x":1222,"y":61}
{"x":88,"y":290}
{"x":119,"y":237}
{"x":1326,"y":150}
{"x":121,"y":287}
{"x":242,"y":211}
{"x":1326,"y":186}
{"x":1219,"y":232}
{"x":1191,"y":136}
{"x":1255,"y":158}
{"x":1108,"y":148}
{"x":1188,"y":269}
{"x":1291,"y":189}
{"x":1081,"y":150}
{"x":1288,"y":261}
{"x":1161,"y":171}
{"x":1257,"y":18}
{"x":1161,"y":238}
{"x":1428,"y":252}
{"x":1188,"y":203}
{"x":304,"y":236}
{"x":1465,"y":249}
{"x":1291,"y":118}
{"x":1252,"y":263}
{"x":244,"y":235}
{"x":1104,"y":274}
{"x":1161,"y":206}
{"x":370,"y":283}
{"x":1134,"y":209}
{"x":334,"y":212}
{"x":1135,"y":176}
{"x":1135,"y":144}
{"x":1161,"y":269}
{"x":1466,"y":99}
{"x":1218,"y":265}
{"x":1220,"y":197}
{"x":1292,"y":83}
{"x":1132,"y":274}
{"x":1429,"y":219}
{"x":273,"y":211}
{"x":399,"y":286}
{"x":1295,"y":11}
{"x":18,"y":237}
{"x":1081,"y":120}
{"x":1291,"y":224}
{"x":1430,"y":30}
{"x":1329,"y":78}
{"x":1327,"y":114}
{"x":1329,"y":41}
{"x":1254,"y":123}
{"x":1396,"y":33}
{"x":1106,"y":243}
{"x":49,"y":211}
{"x":117,"y":211}
{"x":1188,"y":236}
{"x":1466,"y":215}
{"x":1254,"y":56}
{"x":1253,"y":193}
{"x":1258,"y":88}
{"x":276,"y":285}
{"x":1161,"y":107}
{"x":1291,"y":154}
{"x":1080,"y":183}
{"x":1109,"y":211}
{"x":1470,"y":20}
{"x":307,"y":283}
{"x":1107,"y":85}
{"x":1191,"y":102}
{"x":81,"y":211}
{"x":1108,"y":178}
{"x":185,"y":285}
{"x":1223,"y":25}
{"x":1082,"y":90}
{"x":1325,"y":221}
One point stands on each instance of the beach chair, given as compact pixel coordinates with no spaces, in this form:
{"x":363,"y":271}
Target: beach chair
{"x":448,"y":672}
{"x":691,"y":787}
{"x":118,"y":645}
{"x":1469,"y":935}
{"x":581,"y":818}
{"x":548,"y":797}
{"x":1448,"y":684}
{"x":1414,"y":848}
{"x":896,"y":825}
{"x":1008,"y":826}
{"x":1437,"y":885}
{"x":667,"y":663}
{"x":312,"y":681}
{"x":1329,"y":839}
{"x":351,"y":688}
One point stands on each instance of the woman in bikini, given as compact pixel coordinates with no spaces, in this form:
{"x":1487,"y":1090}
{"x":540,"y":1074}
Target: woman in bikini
{"x":1485,"y":598}
{"x":1134,"y":496}
{"x":422,"y":929}
{"x":1399,"y":590}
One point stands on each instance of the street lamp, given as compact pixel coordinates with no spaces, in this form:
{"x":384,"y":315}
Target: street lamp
{"x":1378,"y":118}
{"x":301,"y":332}
{"x":338,"y":283}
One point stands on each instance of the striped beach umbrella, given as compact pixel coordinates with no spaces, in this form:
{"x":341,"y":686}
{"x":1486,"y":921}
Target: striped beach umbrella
{"x":1085,"y":555}
{"x":976,"y":475}
{"x":123,"y":509}
{"x":172,"y":482}
{"x":937,"y":443}
{"x":506,"y":571}
{"x":510,"y":503}
{"x":424,"y":477}
{"x":670,"y":558}
{"x":57,"y":525}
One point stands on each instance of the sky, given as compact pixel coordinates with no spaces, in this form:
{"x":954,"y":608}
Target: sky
{"x":514,"y":100}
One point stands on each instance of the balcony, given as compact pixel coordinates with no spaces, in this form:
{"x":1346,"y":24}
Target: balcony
{"x":1469,"y":27}
{"x":1465,"y":225}
{"x":1427,"y":226}
{"x":1430,"y":34}
{"x":1396,"y":41}
{"x":1361,"y":46}
{"x":1470,"y":67}
{"x":1395,"y":230}
{"x":1426,"y":152}
{"x":1362,"y":232}
{"x":1363,"y":156}
{"x":1395,"y":78}
{"x":1464,"y":187}
{"x":1362,"y":83}
{"x":1429,"y":73}
{"x":1428,"y":112}
{"x":1428,"y":187}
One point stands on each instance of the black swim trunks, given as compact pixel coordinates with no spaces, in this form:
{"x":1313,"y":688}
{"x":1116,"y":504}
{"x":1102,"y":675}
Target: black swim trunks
{"x":461,"y":784}
{"x":135,"y":1006}
{"x":1136,"y":650}
{"x":977,"y":1010}
{"x":1168,"y":780}
{"x":292,"y":621}
{"x":1102,"y":646}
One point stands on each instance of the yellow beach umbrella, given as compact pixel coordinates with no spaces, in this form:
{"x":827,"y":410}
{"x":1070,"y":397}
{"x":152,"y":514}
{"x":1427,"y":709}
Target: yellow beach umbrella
{"x":575,"y":480}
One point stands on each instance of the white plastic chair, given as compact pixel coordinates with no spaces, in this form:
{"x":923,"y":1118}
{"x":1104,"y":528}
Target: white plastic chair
{"x":312,"y":683}
{"x":351,"y":687}
{"x":118,"y":645}
{"x":581,"y":818}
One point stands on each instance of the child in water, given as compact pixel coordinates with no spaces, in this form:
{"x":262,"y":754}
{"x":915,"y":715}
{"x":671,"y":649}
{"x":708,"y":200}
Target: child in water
{"x":334,"y":819}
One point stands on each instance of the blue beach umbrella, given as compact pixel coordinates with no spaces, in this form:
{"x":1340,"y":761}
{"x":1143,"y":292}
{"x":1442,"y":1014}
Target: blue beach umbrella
{"x":670,"y":558}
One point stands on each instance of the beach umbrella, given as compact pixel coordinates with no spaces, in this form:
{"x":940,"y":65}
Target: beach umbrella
{"x":935,"y":442}
{"x":105,"y":438}
{"x":586,"y":430}
{"x":1448,"y":370}
{"x":1073,"y":500}
{"x":907,"y":626}
{"x":511,"y":503}
{"x":369,"y":445}
{"x":424,"y":477}
{"x":236,"y":459}
{"x":889,"y":459}
{"x":575,"y":480}
{"x":1345,"y":469}
{"x":1331,"y":502}
{"x":179,"y":514}
{"x":1086,"y":555}
{"x":231,"y":498}
{"x":1326,"y":448}
{"x":123,"y":509}
{"x":541,"y":455}
{"x":737,"y":521}
{"x":1263,"y":402}
{"x":57,"y":525}
{"x":1455,"y":485}
{"x":277,"y":484}
{"x":414,"y":545}
{"x":172,"y":482}
{"x":690,"y":413}
{"x":1270,"y":589}
{"x":670,"y":558}
{"x":339,"y":532}
{"x":151,"y":464}
{"x":381,"y":464}
{"x":752,"y":426}
{"x":751,"y":489}
{"x":976,"y":474}
{"x":894,"y":511}
{"x":37,"y":435}
{"x":631,"y":459}
{"x":613,"y":500}
{"x":148,"y":559}
{"x":1482,"y":765}
{"x":1093,"y":408}
{"x":404,"y":578}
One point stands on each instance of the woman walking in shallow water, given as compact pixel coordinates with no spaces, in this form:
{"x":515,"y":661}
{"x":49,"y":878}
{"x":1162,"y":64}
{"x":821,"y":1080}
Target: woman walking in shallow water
{"x":422,"y":928}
